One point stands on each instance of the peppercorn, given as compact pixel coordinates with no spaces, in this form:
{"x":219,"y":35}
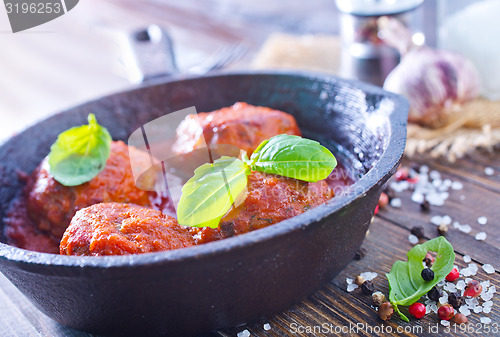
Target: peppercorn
{"x":402,"y":173}
{"x":453,"y":275}
{"x":473,"y":289}
{"x":418,"y":231}
{"x":460,"y":319}
{"x":446,"y":312}
{"x":425,"y":206}
{"x":428,"y":260}
{"x":456,"y":300}
{"x":427,"y":274}
{"x":385,"y":311}
{"x":360,"y":254}
{"x":378,"y":298}
{"x":434,"y":294}
{"x":383,"y":200}
{"x":359,"y":280}
{"x":417,"y":310}
{"x":367,"y":287}
{"x":442,"y":229}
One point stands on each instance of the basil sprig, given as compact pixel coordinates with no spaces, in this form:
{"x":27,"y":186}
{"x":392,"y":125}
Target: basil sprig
{"x":80,"y":153}
{"x":406,"y":284}
{"x":293,"y":157}
{"x":213,"y":189}
{"x":209,"y":194}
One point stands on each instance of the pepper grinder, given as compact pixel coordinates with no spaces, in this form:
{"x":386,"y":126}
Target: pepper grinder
{"x":365,"y":55}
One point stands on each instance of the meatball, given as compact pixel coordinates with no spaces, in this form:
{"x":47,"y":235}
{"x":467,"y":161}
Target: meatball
{"x":242,"y":125}
{"x":51,"y":205}
{"x":270,"y":199}
{"x":120,"y":229}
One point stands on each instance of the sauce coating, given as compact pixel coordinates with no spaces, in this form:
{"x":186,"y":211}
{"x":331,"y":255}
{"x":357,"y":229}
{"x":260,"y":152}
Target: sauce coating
{"x":120,"y":229}
{"x":51,"y":205}
{"x":242,"y":125}
{"x":270,"y":199}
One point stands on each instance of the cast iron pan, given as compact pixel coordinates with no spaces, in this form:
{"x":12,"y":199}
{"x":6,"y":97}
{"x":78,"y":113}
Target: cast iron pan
{"x":225,"y":283}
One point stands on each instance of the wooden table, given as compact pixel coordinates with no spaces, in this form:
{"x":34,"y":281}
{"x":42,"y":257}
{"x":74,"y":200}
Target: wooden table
{"x":199,"y":28}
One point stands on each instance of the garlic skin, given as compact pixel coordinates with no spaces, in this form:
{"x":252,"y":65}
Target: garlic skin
{"x":435,"y":82}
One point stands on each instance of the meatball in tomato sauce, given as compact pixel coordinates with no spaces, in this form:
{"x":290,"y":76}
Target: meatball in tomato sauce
{"x":121,"y":229}
{"x":242,"y":125}
{"x":269,"y":199}
{"x":51,"y":205}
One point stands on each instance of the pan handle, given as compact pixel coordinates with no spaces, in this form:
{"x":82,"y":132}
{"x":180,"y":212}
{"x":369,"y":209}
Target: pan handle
{"x":149,"y":54}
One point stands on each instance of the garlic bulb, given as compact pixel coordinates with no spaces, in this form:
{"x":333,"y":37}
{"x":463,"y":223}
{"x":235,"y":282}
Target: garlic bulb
{"x":436,"y":83}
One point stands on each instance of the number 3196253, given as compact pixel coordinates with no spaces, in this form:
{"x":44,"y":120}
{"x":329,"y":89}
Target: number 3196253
{"x":42,"y":8}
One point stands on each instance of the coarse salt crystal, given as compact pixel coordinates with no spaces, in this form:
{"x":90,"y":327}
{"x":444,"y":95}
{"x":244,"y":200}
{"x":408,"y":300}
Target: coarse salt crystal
{"x":441,"y":283}
{"x":478,"y":309}
{"x":445,"y":323}
{"x":446,"y":220}
{"x":396,"y":202}
{"x":460,"y":285}
{"x":433,"y":307}
{"x":487,"y":296}
{"x":465,"y":228}
{"x":368,"y":276}
{"x":492,"y":290}
{"x":489,"y":171}
{"x":485,"y":284}
{"x":443,"y":300}
{"x":467,"y":259}
{"x":456,"y":224}
{"x":413,"y":239}
{"x":437,"y":183}
{"x":457,"y":186}
{"x":424,"y":169}
{"x":481,"y":236}
{"x":436,"y":220}
{"x":488,"y":304}
{"x":485,"y":320}
{"x":267,"y":327}
{"x":487,"y":310}
{"x":488,"y":268}
{"x":471,"y":302}
{"x":464,"y":310}
{"x":465,"y":272}
{"x":450,"y":287}
{"x":473,"y":266}
{"x":434,"y":175}
{"x":349,"y":280}
{"x":417,"y":197}
{"x":482,"y":220}
{"x":244,"y":333}
{"x":351,"y":287}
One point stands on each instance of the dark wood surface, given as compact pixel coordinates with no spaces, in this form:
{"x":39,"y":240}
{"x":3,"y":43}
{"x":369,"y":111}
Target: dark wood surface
{"x":208,"y":25}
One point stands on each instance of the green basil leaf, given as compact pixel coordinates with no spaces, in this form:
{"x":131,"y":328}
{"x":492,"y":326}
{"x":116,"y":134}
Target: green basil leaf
{"x":210,"y":193}
{"x":294,"y":157}
{"x":80,"y":153}
{"x":406,"y":284}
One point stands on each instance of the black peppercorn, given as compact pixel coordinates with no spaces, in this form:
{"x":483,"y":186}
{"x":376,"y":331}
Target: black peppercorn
{"x":427,"y":274}
{"x":434,"y":294}
{"x":367,"y":287}
{"x":425,"y":206}
{"x":456,"y":300}
{"x":360,"y":254}
{"x":418,"y":231}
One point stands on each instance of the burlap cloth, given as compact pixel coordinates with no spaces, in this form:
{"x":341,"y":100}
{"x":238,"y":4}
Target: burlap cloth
{"x":476,"y":125}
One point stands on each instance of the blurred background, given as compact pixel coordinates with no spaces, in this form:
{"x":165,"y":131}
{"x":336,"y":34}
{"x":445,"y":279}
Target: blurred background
{"x":86,"y":53}
{"x":79,"y":56}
